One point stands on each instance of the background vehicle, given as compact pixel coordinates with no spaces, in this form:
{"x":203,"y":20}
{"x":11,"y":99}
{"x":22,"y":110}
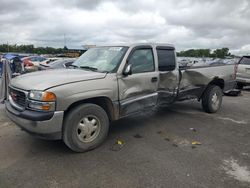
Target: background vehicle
{"x":33,"y":60}
{"x":243,"y":72}
{"x":105,"y":84}
{"x":1,"y":68}
{"x":31,"y":63}
{"x":58,"y":64}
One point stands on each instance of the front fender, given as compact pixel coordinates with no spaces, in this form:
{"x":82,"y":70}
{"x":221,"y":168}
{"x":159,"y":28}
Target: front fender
{"x":69,"y":100}
{"x":71,"y":93}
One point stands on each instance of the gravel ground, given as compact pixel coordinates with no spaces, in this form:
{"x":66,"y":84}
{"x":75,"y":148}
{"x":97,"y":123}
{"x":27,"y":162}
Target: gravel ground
{"x":157,"y":151}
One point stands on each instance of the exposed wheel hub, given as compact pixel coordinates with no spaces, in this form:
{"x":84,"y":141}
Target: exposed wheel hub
{"x":88,"y":128}
{"x":215,"y":101}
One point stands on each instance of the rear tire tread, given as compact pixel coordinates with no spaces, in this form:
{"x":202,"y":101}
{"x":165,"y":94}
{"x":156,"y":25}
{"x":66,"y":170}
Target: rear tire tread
{"x":206,"y":98}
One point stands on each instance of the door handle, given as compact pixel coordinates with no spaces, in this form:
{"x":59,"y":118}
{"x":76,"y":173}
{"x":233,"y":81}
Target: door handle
{"x":154,"y":79}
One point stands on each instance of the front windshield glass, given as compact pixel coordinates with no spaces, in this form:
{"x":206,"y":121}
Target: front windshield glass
{"x":101,"y":59}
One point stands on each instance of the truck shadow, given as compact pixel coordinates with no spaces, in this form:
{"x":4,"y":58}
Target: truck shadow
{"x":47,"y":146}
{"x":129,"y":126}
{"x":246,"y":89}
{"x":150,"y":117}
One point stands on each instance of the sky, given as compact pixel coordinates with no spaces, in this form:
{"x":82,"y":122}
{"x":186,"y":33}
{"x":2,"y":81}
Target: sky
{"x":185,"y":23}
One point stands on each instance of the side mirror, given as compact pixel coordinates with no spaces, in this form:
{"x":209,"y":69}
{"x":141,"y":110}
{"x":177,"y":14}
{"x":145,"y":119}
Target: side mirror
{"x":128,"y":70}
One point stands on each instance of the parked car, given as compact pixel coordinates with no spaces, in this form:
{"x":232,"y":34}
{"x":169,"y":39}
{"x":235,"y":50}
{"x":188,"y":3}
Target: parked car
{"x":243,"y":72}
{"x":11,"y":66}
{"x":33,"y":60}
{"x":1,"y":68}
{"x":106,"y":84}
{"x":31,"y":63}
{"x":15,"y":62}
{"x":217,"y":63}
{"x":58,"y":64}
{"x":50,"y":60}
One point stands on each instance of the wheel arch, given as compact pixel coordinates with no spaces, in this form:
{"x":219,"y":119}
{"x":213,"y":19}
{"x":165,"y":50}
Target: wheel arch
{"x":111,"y":108}
{"x":216,"y":81}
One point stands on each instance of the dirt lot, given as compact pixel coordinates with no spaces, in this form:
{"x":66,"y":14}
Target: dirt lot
{"x":157,"y":152}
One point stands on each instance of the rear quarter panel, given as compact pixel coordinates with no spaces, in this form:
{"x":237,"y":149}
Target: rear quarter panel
{"x":197,"y":78}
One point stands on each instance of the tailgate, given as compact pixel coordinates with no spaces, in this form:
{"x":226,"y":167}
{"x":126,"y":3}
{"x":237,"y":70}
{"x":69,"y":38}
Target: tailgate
{"x":243,"y":71}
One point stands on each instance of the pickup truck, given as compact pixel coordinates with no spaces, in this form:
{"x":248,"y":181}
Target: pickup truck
{"x":243,"y":72}
{"x":105,"y":84}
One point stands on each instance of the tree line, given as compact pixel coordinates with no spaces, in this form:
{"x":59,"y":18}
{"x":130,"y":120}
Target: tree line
{"x":31,"y":49}
{"x":218,"y":53}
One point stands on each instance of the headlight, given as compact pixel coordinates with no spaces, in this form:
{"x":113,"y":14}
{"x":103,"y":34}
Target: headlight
{"x":42,"y":96}
{"x":42,"y":100}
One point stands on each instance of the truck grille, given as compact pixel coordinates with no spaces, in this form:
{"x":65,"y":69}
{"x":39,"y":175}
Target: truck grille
{"x":18,"y":97}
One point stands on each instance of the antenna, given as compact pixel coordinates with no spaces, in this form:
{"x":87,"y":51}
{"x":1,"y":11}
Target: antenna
{"x":8,"y":46}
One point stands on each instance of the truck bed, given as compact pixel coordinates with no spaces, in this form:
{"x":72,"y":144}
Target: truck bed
{"x":195,"y":79}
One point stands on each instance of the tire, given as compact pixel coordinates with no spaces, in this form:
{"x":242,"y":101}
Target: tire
{"x":85,"y":127}
{"x":212,"y":99}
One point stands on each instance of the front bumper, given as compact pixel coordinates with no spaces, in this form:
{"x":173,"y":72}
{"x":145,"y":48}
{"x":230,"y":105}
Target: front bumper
{"x":244,"y":81}
{"x":48,"y":129}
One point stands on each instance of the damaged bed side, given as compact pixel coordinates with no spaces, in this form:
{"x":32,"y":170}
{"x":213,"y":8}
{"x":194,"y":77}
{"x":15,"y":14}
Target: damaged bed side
{"x":195,"y":80}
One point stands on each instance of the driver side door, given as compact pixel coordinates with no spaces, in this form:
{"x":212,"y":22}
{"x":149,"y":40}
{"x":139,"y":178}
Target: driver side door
{"x":139,"y":90}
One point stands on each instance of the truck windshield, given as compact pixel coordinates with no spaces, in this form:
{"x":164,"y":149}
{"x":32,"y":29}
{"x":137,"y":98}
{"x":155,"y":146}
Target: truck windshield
{"x":101,"y":59}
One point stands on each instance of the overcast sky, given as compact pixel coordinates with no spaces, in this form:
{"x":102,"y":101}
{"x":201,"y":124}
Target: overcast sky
{"x":184,"y":23}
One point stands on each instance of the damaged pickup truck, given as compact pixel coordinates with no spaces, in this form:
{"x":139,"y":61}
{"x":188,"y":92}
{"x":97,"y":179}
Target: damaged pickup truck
{"x":105,"y":84}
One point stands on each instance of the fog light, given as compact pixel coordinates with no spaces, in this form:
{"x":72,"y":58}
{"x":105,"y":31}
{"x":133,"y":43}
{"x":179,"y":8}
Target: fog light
{"x":43,"y":106}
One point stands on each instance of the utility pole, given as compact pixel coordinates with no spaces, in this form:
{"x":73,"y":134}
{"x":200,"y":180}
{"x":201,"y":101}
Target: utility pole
{"x":64,"y":39}
{"x":8,"y":46}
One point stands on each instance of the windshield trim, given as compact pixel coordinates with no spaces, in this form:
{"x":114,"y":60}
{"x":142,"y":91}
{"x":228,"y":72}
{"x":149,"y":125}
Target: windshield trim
{"x":120,"y":60}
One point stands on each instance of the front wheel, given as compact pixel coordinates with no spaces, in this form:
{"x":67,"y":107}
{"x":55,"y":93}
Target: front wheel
{"x":85,"y":127}
{"x":212,"y":99}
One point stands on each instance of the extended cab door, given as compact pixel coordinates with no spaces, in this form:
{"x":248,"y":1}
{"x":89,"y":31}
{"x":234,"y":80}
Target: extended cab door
{"x":169,"y":74}
{"x":138,"y":90}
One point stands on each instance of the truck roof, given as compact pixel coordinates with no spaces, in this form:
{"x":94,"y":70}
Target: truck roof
{"x":141,"y":44}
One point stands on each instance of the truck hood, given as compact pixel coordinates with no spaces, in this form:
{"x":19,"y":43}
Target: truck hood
{"x":47,"y":79}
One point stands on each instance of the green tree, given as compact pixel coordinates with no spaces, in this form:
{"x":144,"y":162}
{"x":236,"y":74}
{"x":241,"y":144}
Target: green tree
{"x":31,"y":49}
{"x":221,"y":53}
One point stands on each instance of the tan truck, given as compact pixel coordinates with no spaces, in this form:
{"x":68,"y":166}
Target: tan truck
{"x":105,"y":84}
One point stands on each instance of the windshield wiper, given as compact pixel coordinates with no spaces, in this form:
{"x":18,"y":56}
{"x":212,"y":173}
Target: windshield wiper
{"x":74,"y":66}
{"x":89,"y":68}
{"x":83,"y":67}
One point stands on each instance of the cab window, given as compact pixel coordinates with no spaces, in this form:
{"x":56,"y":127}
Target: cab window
{"x":166,"y":59}
{"x":142,"y":60}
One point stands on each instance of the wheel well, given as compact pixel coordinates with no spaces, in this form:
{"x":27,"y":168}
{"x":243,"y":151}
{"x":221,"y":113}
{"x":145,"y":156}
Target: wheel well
{"x":216,"y":81}
{"x":103,"y":102}
{"x":219,"y":82}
